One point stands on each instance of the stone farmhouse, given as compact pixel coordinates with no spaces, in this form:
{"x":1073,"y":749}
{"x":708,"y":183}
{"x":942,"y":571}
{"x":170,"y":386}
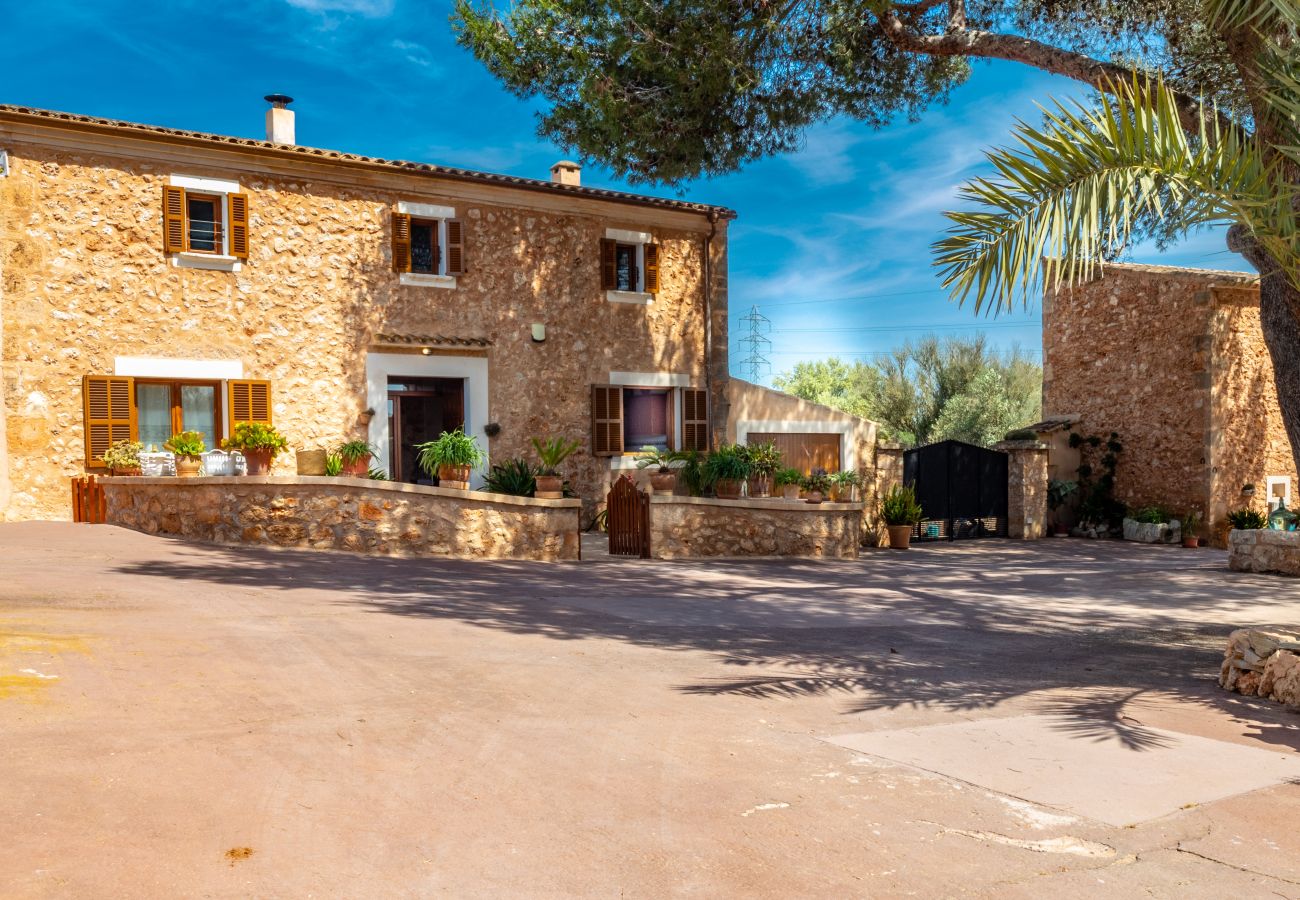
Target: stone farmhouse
{"x":1174,"y":362}
{"x":154,"y":279}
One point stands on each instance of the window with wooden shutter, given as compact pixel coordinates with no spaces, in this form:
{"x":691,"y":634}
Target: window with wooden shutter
{"x":695,"y":419}
{"x":109,"y":405}
{"x":651,"y":253}
{"x":608,"y":265}
{"x":173,"y":219}
{"x":401,"y":242}
{"x":455,"y":247}
{"x":250,"y":401}
{"x":238,"y":229}
{"x":606,"y":420}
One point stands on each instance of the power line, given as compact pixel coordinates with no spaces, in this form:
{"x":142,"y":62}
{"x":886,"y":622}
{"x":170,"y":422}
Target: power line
{"x":759,"y":345}
{"x":1026,"y":323}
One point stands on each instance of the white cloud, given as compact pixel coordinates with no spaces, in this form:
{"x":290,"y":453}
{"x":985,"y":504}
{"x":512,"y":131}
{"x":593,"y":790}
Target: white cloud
{"x":826,"y":158}
{"x":372,"y":9}
{"x":415,"y":54}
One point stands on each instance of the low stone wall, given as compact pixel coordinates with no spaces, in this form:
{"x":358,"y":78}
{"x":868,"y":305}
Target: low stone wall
{"x":1264,"y":550}
{"x":696,"y":526}
{"x":375,"y":517}
{"x":1262,"y":664}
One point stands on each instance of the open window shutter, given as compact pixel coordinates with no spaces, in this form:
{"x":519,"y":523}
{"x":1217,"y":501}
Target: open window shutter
{"x":606,"y":420}
{"x":250,"y":401}
{"x":651,"y":268}
{"x":237,"y":205}
{"x":608,"y":265}
{"x":109,"y":404}
{"x":401,"y":242}
{"x":173,"y":219}
{"x":455,"y":247}
{"x":695,"y":419}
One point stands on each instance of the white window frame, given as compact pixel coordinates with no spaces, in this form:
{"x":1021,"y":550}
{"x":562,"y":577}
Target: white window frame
{"x":1269,"y":483}
{"x":430,"y":212}
{"x":223,"y":261}
{"x":637,"y":239}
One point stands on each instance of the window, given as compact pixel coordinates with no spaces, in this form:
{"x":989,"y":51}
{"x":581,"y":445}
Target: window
{"x":205,"y":217}
{"x":428,"y":245}
{"x":1279,"y":491}
{"x":625,"y":419}
{"x":627,"y":274}
{"x":165,"y":407}
{"x":629,"y":266}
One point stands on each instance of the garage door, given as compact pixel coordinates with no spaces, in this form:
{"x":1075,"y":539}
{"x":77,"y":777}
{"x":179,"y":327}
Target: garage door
{"x":804,"y":452}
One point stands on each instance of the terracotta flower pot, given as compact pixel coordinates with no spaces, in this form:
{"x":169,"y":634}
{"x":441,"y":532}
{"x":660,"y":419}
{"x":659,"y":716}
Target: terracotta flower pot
{"x":790,"y":491}
{"x":900,"y":536}
{"x":358,"y":468}
{"x":258,"y":461}
{"x":760,"y":486}
{"x":455,"y":477}
{"x":1191,"y":542}
{"x":549,"y":487}
{"x":663,"y":482}
{"x":188,"y":466}
{"x":727,"y":489}
{"x":815,"y":497}
{"x":126,"y":473}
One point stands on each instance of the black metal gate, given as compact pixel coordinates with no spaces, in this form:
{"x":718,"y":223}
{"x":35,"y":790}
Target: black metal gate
{"x":962,"y":490}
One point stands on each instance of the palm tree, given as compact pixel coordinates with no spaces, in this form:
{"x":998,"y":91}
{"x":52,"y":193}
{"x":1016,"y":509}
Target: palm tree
{"x":1074,"y":190}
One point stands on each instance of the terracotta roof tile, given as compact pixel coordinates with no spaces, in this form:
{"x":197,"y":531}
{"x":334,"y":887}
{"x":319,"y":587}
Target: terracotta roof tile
{"x":431,"y":340}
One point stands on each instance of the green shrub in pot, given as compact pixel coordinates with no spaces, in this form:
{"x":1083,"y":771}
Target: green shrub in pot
{"x":451,"y":457}
{"x":123,"y":457}
{"x":728,"y":467}
{"x":1247,"y":519}
{"x":355,"y":456}
{"x":258,"y":442}
{"x":516,"y":477}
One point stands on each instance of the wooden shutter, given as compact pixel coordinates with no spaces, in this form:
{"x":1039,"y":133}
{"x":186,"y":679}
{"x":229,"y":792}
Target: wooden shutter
{"x":401,"y":242}
{"x":608,"y":265}
{"x":695,"y":419}
{"x":651,"y":268}
{"x":109,"y":405}
{"x":606,"y":420}
{"x":237,"y":207}
{"x":455,"y":247}
{"x":250,"y":401}
{"x":173,"y":219}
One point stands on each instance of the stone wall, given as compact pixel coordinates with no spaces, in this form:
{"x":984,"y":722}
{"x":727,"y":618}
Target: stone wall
{"x":1264,"y":550}
{"x":85,"y":280}
{"x":378,"y":518}
{"x":1026,"y":489}
{"x":683,"y":527}
{"x":1262,"y":664}
{"x":1174,"y":362}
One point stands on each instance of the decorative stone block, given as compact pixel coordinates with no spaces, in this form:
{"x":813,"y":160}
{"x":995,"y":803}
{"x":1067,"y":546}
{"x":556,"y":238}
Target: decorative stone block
{"x":1153,"y":532}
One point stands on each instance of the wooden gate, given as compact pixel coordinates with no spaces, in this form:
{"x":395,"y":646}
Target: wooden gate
{"x":88,"y":501}
{"x":628,"y":519}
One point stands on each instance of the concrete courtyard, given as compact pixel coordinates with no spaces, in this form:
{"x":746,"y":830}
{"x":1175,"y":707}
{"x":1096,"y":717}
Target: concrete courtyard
{"x":188,"y":720}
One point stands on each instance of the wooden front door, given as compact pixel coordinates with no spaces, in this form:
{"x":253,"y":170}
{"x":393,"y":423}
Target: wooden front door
{"x":420,"y":409}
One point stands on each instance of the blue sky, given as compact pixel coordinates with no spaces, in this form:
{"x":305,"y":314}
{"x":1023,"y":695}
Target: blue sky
{"x":832,"y":243}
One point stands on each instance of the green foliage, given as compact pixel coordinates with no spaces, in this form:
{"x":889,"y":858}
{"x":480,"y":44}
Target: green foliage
{"x":816,"y":480}
{"x":1097,"y":504}
{"x":514,"y":476}
{"x":553,"y":452}
{"x":930,"y":390}
{"x":375,"y":473}
{"x":123,"y":455}
{"x":847,"y":478}
{"x":764,"y":459}
{"x":255,"y":436}
{"x":899,"y":506}
{"x":694,"y":474}
{"x":333,"y":465}
{"x":728,"y":463}
{"x":1191,"y":522}
{"x":1021,"y":434}
{"x":353,"y":451}
{"x":649,"y":457}
{"x":785,"y":477}
{"x":1059,"y":491}
{"x":1247,"y":519}
{"x":1152,"y":515}
{"x":452,"y":448}
{"x":187,"y":444}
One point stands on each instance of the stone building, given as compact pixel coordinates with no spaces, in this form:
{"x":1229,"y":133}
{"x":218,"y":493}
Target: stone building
{"x":1173,"y":361}
{"x":152,"y":278}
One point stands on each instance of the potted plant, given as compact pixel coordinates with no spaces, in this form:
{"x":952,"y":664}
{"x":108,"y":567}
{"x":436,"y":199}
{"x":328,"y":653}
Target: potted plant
{"x":1247,"y":520}
{"x":356,"y":458}
{"x":517,"y":477}
{"x":188,"y":447}
{"x":258,"y":442}
{"x":552,"y":452}
{"x":788,"y":482}
{"x":1059,"y":492}
{"x":816,"y":484}
{"x":123,"y":457}
{"x":727,"y":468}
{"x":901,"y":513}
{"x":843,"y":485}
{"x":664,"y":480}
{"x":1190,"y":523}
{"x":764,"y":460}
{"x":450,"y":458}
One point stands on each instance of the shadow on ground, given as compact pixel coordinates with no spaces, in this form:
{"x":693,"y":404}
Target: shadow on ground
{"x":952,"y":627}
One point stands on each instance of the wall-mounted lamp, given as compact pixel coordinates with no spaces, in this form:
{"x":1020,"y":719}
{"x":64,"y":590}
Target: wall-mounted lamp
{"x":427,"y":351}
{"x":539,"y":332}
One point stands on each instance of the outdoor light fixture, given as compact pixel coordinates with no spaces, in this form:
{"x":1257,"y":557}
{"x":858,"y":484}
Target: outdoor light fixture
{"x":4,"y":163}
{"x":427,"y":351}
{"x":539,"y":332}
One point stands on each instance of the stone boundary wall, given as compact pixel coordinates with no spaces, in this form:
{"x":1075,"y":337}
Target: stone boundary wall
{"x":354,"y":514}
{"x":1262,"y":664}
{"x":1026,"y":489}
{"x":682,"y":527}
{"x":1264,"y":550}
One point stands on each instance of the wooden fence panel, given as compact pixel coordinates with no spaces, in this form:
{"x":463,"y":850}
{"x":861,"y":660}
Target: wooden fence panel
{"x":88,"y":504}
{"x":628,"y":519}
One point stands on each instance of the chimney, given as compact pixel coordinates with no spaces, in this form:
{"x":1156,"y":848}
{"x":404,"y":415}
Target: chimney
{"x":566,"y":172}
{"x":279,"y":119}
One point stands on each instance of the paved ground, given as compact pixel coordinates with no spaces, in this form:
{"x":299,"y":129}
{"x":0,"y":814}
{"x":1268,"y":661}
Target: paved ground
{"x":250,"y":723}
